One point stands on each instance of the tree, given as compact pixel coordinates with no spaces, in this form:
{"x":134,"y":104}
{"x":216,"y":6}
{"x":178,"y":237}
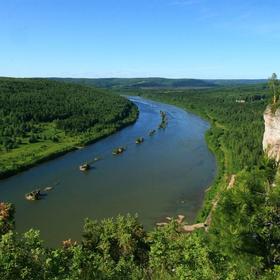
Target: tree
{"x":7,"y":212}
{"x":174,"y":255}
{"x":274,"y":87}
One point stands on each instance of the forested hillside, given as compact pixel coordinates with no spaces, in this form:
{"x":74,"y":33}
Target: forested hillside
{"x":39,"y":118}
{"x":245,"y":199}
{"x":237,"y":82}
{"x":156,"y":83}
{"x":137,"y":83}
{"x":236,"y":115}
{"x":242,"y":241}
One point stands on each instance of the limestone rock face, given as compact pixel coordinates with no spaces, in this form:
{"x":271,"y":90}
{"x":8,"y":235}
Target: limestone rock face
{"x":271,"y":138}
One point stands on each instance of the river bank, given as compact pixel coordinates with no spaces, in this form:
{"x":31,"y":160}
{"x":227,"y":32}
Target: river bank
{"x":46,"y":150}
{"x":236,"y":132}
{"x":153,"y":179}
{"x":221,"y":175}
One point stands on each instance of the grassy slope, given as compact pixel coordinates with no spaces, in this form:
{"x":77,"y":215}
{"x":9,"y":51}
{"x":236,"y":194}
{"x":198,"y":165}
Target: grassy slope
{"x":29,"y":154}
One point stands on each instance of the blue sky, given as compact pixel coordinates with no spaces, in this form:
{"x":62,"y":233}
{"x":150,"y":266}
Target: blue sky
{"x":133,"y":38}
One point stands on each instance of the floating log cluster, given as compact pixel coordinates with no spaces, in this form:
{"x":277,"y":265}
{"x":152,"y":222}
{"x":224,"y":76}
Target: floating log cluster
{"x":34,"y":195}
{"x":38,"y":194}
{"x":118,"y":151}
{"x":47,"y":189}
{"x":84,"y":167}
{"x":139,"y":140}
{"x":164,"y":121}
{"x":152,"y":132}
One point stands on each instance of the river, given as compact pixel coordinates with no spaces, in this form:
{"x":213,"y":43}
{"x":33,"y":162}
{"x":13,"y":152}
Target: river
{"x":164,"y":176}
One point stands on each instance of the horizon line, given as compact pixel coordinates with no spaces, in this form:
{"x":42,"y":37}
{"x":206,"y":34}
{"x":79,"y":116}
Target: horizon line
{"x":133,"y":77}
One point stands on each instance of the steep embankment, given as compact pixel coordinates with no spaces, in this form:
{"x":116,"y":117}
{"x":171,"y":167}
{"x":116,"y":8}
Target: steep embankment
{"x":271,"y":138}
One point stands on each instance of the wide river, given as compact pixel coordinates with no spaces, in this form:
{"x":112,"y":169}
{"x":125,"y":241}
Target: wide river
{"x":165,"y":176}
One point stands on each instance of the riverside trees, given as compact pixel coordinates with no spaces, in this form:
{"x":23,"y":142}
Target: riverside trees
{"x":121,"y":249}
{"x":39,"y":118}
{"x":27,"y":104}
{"x":245,"y":233}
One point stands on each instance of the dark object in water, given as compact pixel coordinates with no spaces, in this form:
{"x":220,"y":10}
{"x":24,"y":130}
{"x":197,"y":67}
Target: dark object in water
{"x":139,"y":140}
{"x":162,"y":125}
{"x":164,"y":121}
{"x":84,"y":167}
{"x":47,"y":189}
{"x":152,"y":132}
{"x":118,"y":151}
{"x":34,"y":195}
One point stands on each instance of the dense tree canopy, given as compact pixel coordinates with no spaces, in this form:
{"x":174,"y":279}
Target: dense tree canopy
{"x":48,"y":112}
{"x":236,"y":114}
{"x":242,"y":241}
{"x":274,"y":87}
{"x":25,"y":104}
{"x":245,"y":229}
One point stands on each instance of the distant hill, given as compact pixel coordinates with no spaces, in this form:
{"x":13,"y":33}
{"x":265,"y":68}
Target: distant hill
{"x":157,"y":83}
{"x":137,"y":83}
{"x":234,"y":82}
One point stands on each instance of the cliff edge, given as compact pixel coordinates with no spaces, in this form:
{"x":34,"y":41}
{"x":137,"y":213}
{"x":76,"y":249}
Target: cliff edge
{"x":271,"y":138}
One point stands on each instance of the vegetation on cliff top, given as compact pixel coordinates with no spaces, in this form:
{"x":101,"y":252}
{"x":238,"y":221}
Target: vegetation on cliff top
{"x":274,"y":86}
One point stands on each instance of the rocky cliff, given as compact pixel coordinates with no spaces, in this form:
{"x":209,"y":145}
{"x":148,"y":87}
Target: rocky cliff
{"x":271,"y":138}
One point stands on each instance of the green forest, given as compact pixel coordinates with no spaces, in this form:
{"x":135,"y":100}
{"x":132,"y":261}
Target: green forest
{"x":121,"y":84}
{"x":243,"y":240}
{"x":41,"y":118}
{"x":237,"y":126}
{"x":136,"y":83}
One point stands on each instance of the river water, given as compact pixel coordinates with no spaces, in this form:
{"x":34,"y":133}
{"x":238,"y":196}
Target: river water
{"x":165,"y":176}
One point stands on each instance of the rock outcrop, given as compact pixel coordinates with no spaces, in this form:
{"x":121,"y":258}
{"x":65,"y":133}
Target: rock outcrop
{"x":271,"y":138}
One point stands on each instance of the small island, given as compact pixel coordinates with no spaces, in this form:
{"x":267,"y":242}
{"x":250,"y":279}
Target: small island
{"x":34,"y":195}
{"x":118,"y":151}
{"x":84,"y":167}
{"x":164,"y":121}
{"x":139,"y":140}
